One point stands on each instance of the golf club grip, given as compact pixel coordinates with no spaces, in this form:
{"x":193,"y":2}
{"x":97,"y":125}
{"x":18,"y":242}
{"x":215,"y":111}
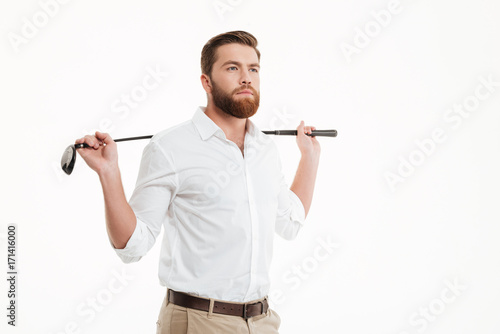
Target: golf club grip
{"x":324,"y":133}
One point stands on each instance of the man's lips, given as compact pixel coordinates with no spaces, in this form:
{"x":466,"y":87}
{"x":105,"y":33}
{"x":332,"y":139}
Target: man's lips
{"x":246,"y":91}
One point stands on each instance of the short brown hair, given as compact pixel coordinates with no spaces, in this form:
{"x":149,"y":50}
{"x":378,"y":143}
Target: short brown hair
{"x":209,"y":52}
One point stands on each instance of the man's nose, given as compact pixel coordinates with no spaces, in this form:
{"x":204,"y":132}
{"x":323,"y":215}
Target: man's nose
{"x":245,"y":78}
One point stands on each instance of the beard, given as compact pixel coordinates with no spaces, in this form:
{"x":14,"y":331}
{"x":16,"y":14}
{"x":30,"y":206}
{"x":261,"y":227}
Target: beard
{"x":241,"y":108}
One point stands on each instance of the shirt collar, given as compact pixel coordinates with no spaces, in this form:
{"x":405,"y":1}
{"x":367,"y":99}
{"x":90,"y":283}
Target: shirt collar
{"x":207,"y":128}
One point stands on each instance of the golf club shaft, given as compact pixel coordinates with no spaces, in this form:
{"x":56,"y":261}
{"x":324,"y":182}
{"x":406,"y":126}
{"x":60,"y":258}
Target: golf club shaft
{"x":133,"y":138}
{"x":324,"y":133}
{"x":116,"y":140}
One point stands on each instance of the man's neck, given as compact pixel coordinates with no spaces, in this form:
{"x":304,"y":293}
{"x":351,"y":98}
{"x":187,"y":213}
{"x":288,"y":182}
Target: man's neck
{"x":234,"y":128}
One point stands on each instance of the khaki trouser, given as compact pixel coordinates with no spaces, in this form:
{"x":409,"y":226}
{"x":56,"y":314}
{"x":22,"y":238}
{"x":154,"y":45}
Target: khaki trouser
{"x":174,"y":319}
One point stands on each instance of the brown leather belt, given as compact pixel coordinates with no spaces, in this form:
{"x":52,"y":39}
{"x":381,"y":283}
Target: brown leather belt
{"x":246,"y":310}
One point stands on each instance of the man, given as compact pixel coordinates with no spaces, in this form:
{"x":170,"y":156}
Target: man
{"x":215,"y":185}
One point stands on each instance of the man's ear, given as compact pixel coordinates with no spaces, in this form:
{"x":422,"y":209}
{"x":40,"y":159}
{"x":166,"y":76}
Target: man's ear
{"x":206,"y":83}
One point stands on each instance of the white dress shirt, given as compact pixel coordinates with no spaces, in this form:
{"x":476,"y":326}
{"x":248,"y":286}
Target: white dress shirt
{"x":219,"y":209}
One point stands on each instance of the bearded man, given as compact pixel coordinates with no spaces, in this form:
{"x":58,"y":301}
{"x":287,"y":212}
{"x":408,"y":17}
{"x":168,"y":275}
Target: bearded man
{"x":215,"y":185}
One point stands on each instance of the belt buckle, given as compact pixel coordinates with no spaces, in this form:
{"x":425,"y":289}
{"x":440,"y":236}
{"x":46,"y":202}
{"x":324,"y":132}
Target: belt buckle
{"x":245,"y":310}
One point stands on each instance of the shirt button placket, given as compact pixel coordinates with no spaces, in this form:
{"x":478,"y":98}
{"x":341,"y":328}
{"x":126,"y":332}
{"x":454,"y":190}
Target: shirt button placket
{"x":254,"y":227}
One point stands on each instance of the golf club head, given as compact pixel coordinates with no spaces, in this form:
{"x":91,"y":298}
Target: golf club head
{"x":68,"y":159}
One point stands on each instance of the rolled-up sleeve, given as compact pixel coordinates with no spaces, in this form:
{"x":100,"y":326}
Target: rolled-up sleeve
{"x":291,"y":214}
{"x":153,"y":193}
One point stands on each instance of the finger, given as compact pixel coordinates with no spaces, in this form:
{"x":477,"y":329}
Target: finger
{"x":104,"y":137}
{"x":301,"y":131}
{"x":91,"y":141}
{"x":87,"y":139}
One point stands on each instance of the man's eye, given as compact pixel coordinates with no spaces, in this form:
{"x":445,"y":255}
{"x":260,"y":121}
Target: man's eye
{"x":232,"y":68}
{"x":254,"y":70}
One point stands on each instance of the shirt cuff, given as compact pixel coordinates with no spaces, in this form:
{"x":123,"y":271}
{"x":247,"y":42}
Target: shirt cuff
{"x":298,"y":213}
{"x":129,"y":253}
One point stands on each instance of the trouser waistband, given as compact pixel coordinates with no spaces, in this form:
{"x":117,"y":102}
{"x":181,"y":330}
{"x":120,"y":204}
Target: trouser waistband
{"x":245,"y":310}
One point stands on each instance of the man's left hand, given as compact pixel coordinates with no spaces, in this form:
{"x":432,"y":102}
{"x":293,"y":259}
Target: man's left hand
{"x":308,"y":145}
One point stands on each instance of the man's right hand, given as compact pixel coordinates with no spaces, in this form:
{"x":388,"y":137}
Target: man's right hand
{"x":102,"y":155}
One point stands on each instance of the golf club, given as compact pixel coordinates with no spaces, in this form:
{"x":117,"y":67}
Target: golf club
{"x":69,"y":156}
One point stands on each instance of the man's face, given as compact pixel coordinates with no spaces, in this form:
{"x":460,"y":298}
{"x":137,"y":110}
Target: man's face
{"x":235,"y":80}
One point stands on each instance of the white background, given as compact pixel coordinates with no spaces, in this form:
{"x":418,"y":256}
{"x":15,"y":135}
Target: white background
{"x":398,"y":248}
